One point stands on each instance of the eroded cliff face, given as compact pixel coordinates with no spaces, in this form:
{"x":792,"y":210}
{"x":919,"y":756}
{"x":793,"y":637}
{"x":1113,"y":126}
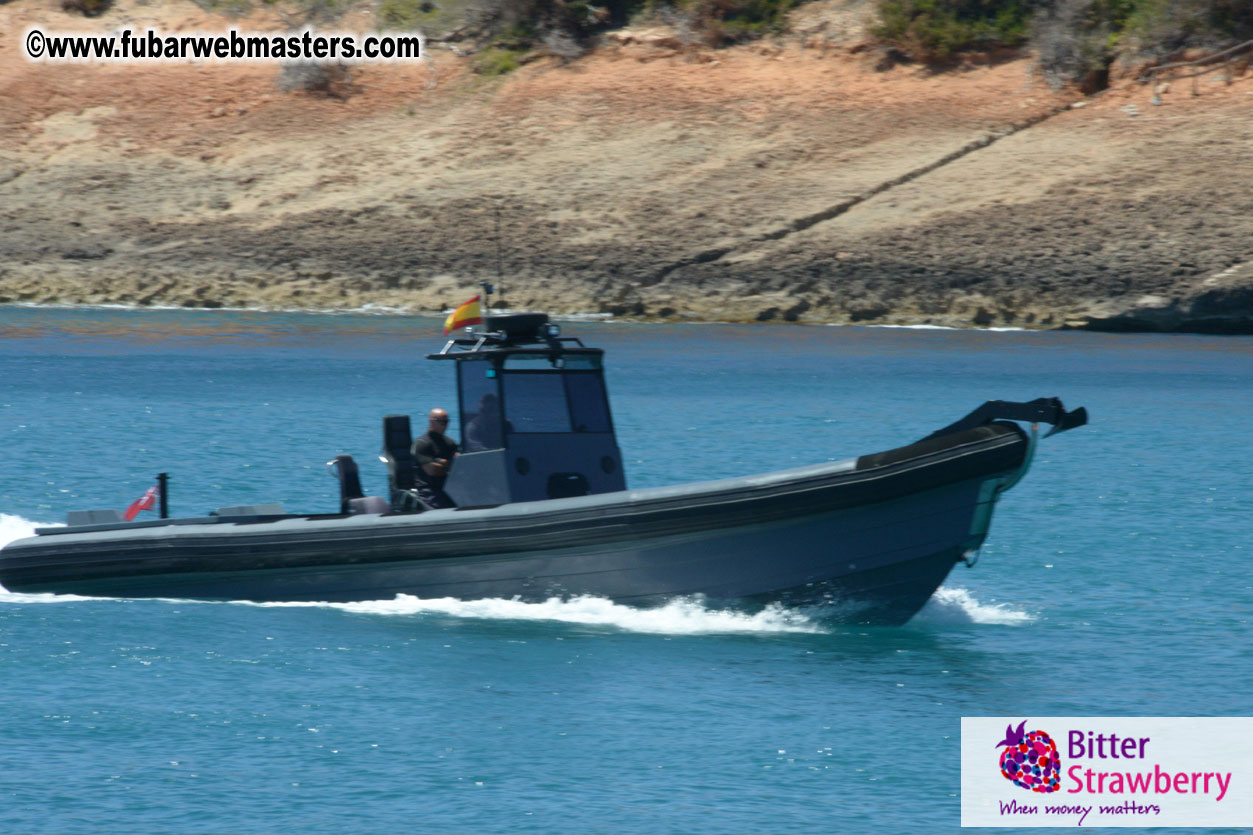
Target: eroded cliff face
{"x":803,"y":180}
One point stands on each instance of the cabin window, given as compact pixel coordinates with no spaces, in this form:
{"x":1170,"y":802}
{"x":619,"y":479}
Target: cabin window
{"x":480,"y":407}
{"x":536,"y":402}
{"x":588,"y":410}
{"x":554,"y":393}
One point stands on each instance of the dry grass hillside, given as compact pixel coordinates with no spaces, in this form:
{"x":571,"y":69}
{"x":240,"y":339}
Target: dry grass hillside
{"x":805,"y":179}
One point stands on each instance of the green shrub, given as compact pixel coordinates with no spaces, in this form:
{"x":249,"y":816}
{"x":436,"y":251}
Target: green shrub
{"x":496,"y":61}
{"x":305,"y":12}
{"x":938,"y":28}
{"x":87,"y":8}
{"x":405,"y":15}
{"x":719,"y":22}
{"x":1157,"y":28}
{"x":1074,"y":40}
{"x":1077,"y":40}
{"x":747,"y":19}
{"x":230,"y":8}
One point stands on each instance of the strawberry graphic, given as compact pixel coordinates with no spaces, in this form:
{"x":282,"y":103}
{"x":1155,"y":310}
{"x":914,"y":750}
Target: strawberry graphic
{"x":1030,"y":760}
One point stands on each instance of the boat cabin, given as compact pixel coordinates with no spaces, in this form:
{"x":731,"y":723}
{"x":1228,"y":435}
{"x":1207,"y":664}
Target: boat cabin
{"x":534,"y":417}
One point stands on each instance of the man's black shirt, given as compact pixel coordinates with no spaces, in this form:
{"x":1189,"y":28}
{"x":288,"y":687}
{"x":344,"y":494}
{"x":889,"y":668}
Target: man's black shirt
{"x":426,"y":449}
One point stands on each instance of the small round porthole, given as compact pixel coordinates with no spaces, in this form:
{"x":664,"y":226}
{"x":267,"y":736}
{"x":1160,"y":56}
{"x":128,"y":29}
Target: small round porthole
{"x":608,"y":464}
{"x":522,"y":465}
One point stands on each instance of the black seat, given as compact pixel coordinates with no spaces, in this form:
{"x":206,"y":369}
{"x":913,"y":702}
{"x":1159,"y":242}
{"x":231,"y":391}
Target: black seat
{"x":398,"y":455}
{"x":345,"y":471}
{"x":351,"y":497}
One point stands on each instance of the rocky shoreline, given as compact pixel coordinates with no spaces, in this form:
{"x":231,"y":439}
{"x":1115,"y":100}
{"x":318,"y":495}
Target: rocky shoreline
{"x":784,"y":182}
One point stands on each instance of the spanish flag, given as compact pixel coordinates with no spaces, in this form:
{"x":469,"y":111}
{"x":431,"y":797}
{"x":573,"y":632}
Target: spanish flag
{"x":467,"y":313}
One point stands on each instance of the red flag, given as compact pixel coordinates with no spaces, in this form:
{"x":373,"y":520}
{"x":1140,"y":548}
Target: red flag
{"x":144,"y":502}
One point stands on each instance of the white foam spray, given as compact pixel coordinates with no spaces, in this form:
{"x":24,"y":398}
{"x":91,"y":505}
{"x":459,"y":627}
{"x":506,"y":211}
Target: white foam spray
{"x":15,"y":527}
{"x":957,"y":605}
{"x":682,"y":616}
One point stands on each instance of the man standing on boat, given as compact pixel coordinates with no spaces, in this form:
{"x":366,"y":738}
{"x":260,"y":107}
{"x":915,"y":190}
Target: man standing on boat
{"x":434,"y":453}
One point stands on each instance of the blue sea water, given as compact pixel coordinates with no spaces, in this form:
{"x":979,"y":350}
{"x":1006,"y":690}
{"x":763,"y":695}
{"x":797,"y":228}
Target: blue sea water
{"x":1115,"y":581}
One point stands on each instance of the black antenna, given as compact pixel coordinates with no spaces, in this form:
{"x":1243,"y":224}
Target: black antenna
{"x":163,"y":486}
{"x":500,"y":266}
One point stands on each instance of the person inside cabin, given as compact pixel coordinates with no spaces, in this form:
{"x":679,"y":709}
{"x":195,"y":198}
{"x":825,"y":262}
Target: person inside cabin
{"x":434,"y":454}
{"x":483,"y":430}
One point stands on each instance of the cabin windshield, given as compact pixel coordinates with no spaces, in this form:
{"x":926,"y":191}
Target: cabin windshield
{"x":539,"y":393}
{"x":546,"y":394}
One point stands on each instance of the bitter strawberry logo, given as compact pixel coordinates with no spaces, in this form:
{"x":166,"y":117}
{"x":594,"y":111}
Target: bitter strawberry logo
{"x":1030,"y":760}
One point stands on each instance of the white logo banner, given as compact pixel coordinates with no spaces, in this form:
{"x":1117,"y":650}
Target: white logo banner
{"x":1106,"y":771}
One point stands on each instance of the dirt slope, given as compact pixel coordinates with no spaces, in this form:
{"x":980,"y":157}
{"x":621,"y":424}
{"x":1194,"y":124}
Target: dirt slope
{"x":807,"y":179}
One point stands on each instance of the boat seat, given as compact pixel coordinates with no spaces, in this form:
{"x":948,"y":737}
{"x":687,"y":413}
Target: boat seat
{"x":398,"y":456}
{"x":352,"y":498}
{"x":369,"y":504}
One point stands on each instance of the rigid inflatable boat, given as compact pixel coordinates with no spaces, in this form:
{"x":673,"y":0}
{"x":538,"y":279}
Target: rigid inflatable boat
{"x":543,"y":510}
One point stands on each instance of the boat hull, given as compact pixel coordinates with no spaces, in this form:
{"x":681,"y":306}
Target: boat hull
{"x":866,"y":540}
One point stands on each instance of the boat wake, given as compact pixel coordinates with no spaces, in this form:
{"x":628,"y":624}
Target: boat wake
{"x":957,"y":605}
{"x":684,"y":616}
{"x":14,"y":527}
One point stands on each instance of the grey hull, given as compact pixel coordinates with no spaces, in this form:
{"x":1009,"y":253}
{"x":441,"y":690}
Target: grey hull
{"x":869,"y":539}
